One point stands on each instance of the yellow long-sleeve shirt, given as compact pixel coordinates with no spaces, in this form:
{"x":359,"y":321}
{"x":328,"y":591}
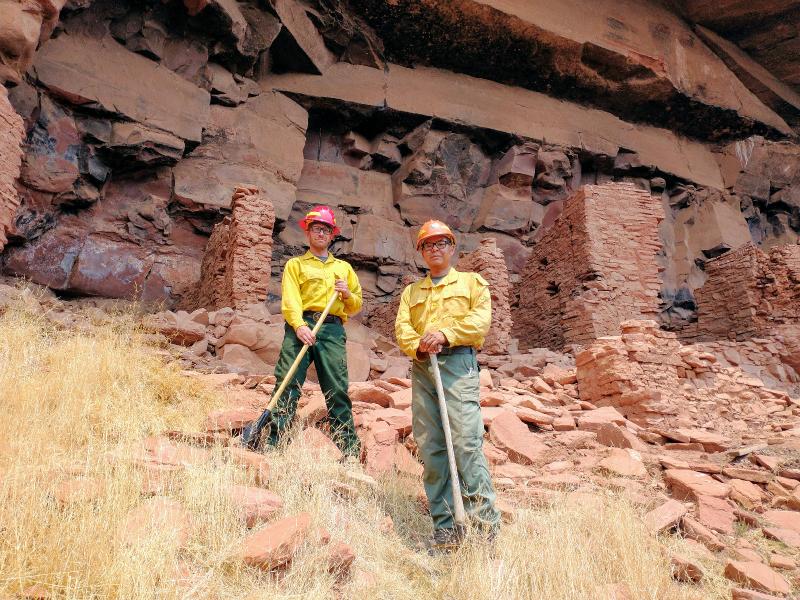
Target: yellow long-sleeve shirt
{"x":307,"y":284}
{"x":460,"y":306}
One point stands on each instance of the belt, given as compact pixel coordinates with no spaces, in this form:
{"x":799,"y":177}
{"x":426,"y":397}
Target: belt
{"x":315,"y":315}
{"x":447,"y":350}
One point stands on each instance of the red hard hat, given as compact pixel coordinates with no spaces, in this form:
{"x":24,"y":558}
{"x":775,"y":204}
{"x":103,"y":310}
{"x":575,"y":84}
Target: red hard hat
{"x":320,"y":214}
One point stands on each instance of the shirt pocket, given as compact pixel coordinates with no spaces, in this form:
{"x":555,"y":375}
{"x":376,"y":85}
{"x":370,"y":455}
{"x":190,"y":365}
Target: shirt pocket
{"x":455,"y":302}
{"x":416,"y":308}
{"x":312,"y":284}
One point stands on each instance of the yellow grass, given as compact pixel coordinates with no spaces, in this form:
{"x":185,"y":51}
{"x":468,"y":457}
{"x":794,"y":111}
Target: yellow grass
{"x":77,"y":404}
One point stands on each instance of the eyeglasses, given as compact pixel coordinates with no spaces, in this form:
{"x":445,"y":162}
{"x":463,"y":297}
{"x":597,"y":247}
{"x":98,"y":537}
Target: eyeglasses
{"x":441,"y":245}
{"x":320,"y":229}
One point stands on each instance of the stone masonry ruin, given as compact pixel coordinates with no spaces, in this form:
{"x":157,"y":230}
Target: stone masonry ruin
{"x":616,"y":181}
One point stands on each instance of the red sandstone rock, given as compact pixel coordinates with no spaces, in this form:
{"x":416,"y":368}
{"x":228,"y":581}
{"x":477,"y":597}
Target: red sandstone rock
{"x":684,"y":569}
{"x":370,"y":393}
{"x":274,"y":546}
{"x":398,"y":420}
{"x":690,"y":484}
{"x":789,"y":537}
{"x":177,"y":328}
{"x":162,"y":451}
{"x":340,"y":558}
{"x":716,"y":514}
{"x":666,"y":516}
{"x":157,"y":517}
{"x":746,"y":493}
{"x":256,"y":505}
{"x":768,"y":462}
{"x":255,"y":463}
{"x":235,"y":270}
{"x":379,"y":447}
{"x":230,"y":419}
{"x":593,"y":420}
{"x":787,"y":519}
{"x":779,"y":561}
{"x":401,"y":399}
{"x":78,"y":490}
{"x":611,"y":434}
{"x":510,"y":434}
{"x":627,"y":463}
{"x":758,"y":576}
{"x":747,"y":474}
{"x":320,"y":444}
{"x":742,"y":594}
{"x":11,"y":137}
{"x":694,"y":530}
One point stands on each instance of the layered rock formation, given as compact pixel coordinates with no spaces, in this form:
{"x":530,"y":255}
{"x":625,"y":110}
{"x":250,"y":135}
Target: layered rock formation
{"x":141,"y":120}
{"x":11,"y":135}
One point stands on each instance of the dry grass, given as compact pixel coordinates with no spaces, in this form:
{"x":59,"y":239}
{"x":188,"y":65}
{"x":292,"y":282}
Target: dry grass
{"x":74,"y":403}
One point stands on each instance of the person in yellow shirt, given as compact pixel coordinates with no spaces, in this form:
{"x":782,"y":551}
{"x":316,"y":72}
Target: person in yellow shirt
{"x":307,"y":284}
{"x":448,"y":314}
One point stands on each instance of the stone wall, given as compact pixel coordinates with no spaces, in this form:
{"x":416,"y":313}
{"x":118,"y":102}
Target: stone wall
{"x":652,"y":379}
{"x":747,"y":293}
{"x":487,"y":259}
{"x":236,"y":267}
{"x":11,"y":136}
{"x":593,"y":268}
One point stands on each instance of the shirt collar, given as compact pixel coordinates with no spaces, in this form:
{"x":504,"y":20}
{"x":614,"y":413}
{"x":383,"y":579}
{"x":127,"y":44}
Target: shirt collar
{"x":309,"y":256}
{"x":451,"y":276}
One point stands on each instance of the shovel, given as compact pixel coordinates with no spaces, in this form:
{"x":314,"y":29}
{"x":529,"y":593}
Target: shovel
{"x":458,"y":502}
{"x":252,"y":433}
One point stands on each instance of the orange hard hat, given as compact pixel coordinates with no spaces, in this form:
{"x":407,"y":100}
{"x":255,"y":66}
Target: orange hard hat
{"x":434,"y":228}
{"x":320,"y":214}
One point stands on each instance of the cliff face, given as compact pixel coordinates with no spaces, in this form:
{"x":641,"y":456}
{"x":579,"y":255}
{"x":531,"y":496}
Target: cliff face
{"x":138,"y":120}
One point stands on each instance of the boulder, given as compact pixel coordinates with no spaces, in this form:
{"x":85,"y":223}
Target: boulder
{"x":86,"y":70}
{"x":665,"y":516}
{"x":274,"y":546}
{"x":256,"y":505}
{"x":627,"y":463}
{"x":177,"y":328}
{"x":511,"y":435}
{"x":758,"y":576}
{"x":241,"y":357}
{"x":716,"y":514}
{"x":319,"y":444}
{"x":690,"y":485}
{"x":159,"y":517}
{"x":593,"y":420}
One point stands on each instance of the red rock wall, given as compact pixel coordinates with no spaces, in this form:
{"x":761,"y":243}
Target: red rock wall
{"x":487,"y":259}
{"x":593,"y":268}
{"x":236,"y":266}
{"x":11,"y":136}
{"x":748,"y":293}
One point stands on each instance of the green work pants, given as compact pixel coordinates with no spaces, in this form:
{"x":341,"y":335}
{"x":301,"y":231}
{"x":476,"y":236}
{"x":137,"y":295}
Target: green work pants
{"x":329,"y":354}
{"x":461,"y":385}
